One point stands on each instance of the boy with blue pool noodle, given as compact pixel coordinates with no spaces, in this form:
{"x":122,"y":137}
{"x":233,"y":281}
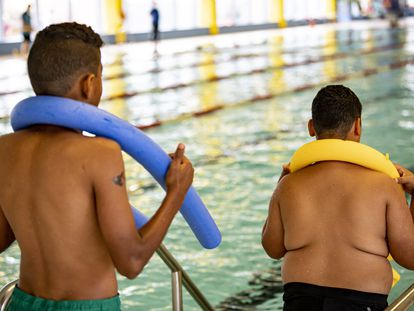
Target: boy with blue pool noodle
{"x":63,"y":196}
{"x":335,"y":223}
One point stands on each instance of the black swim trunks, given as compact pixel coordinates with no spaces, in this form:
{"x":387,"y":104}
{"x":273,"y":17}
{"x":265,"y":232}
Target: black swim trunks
{"x":308,"y":297}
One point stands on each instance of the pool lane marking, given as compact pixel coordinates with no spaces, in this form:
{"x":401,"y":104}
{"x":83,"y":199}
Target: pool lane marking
{"x":199,"y":49}
{"x":308,"y":61}
{"x":233,"y":58}
{"x":379,"y":37}
{"x":248,"y":55}
{"x":334,"y":56}
{"x":339,"y":78}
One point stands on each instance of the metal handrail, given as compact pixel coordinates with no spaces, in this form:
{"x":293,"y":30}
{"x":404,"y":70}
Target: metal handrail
{"x":404,"y":301}
{"x":177,"y":291}
{"x":192,"y":289}
{"x":5,"y":294}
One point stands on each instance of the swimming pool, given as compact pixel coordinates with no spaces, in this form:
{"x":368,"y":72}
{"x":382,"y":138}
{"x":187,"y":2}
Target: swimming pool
{"x":238,"y":150}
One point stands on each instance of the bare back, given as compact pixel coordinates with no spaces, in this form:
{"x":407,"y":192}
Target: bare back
{"x":335,"y":227}
{"x":47,"y":197}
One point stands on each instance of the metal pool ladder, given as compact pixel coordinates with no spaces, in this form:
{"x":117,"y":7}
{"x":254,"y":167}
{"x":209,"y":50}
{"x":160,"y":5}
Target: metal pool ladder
{"x":178,"y":275}
{"x":404,"y":301}
{"x":5,"y":294}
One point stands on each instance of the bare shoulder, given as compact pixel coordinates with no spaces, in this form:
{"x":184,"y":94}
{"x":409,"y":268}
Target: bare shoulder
{"x":383,"y":187}
{"x":102,"y":144}
{"x":285,"y":185}
{"x":105,"y":142}
{"x":92,"y":145}
{"x":7,"y":137}
{"x":8,"y":141}
{"x":100,"y":149}
{"x":101,"y":157}
{"x":290,"y":180}
{"x":386,"y":184}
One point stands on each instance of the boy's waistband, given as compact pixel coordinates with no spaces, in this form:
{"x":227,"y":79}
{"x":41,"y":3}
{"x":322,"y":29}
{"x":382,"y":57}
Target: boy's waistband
{"x":21,"y":300}
{"x":297,"y":289}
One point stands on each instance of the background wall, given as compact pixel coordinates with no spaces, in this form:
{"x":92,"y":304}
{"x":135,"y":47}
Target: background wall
{"x":175,"y":14}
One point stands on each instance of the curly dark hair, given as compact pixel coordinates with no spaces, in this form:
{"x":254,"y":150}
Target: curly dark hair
{"x":60,"y":54}
{"x":334,"y":110}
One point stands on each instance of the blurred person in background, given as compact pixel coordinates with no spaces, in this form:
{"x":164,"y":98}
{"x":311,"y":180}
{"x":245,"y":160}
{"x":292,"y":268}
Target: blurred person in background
{"x":155,"y":16}
{"x":26,"y":30}
{"x":393,"y":11}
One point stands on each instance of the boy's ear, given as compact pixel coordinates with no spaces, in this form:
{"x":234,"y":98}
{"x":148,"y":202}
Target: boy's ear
{"x":88,"y":86}
{"x":311,"y":129}
{"x":358,"y":127}
{"x":354,"y":133}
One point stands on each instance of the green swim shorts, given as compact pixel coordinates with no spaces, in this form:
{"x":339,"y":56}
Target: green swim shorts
{"x":21,"y":301}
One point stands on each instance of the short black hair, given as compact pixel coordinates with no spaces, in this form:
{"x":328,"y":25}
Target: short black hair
{"x":334,"y":110}
{"x":60,"y":54}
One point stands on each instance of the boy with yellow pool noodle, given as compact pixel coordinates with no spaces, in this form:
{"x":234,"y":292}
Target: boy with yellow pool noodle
{"x":335,"y":222}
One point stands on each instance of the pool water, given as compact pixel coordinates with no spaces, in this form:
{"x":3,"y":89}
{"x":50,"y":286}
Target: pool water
{"x":238,"y":150}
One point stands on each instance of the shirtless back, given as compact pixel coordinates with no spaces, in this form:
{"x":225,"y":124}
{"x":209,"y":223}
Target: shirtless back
{"x":48,"y":200}
{"x":334,"y":222}
{"x":334,"y":219}
{"x":63,"y":196}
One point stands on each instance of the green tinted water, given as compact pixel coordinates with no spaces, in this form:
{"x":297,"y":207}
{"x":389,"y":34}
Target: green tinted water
{"x":238,"y":154}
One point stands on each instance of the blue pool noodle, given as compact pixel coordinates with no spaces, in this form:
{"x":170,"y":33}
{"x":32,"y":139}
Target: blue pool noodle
{"x":77,"y":115}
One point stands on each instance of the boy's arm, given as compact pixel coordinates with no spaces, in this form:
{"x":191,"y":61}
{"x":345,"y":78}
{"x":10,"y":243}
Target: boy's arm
{"x":129,"y":250}
{"x":273,"y":232}
{"x":400,"y":224}
{"x":6,"y":233}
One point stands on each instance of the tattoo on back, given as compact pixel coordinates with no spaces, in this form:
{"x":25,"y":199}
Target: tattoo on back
{"x":119,"y":180}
